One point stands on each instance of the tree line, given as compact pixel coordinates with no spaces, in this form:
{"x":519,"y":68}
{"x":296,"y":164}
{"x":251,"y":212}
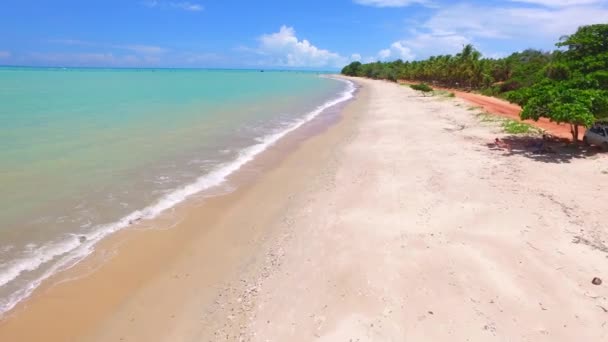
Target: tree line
{"x":568,"y":85}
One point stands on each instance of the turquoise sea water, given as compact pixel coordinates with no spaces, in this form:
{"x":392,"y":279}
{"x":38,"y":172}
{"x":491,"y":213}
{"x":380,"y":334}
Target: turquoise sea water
{"x":83,"y":152}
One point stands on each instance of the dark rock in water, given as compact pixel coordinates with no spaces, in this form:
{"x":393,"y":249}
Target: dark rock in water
{"x":596,"y":281}
{"x":82,"y":239}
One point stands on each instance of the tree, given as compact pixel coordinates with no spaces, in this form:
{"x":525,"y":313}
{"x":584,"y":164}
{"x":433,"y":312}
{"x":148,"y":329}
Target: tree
{"x":561,"y":103}
{"x":575,"y":90}
{"x":353,"y":69}
{"x":587,"y":49}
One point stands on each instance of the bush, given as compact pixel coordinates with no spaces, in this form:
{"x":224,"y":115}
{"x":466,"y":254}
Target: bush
{"x":423,"y":87}
{"x":444,"y":93}
{"x":509,"y":85}
{"x":516,"y":127}
{"x":519,"y":97}
{"x":491,"y":91}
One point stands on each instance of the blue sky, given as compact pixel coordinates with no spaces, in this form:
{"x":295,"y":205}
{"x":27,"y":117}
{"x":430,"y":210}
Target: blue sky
{"x":318,"y":34}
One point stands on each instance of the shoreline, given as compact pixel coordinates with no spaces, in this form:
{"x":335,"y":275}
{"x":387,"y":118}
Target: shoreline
{"x":116,"y":254}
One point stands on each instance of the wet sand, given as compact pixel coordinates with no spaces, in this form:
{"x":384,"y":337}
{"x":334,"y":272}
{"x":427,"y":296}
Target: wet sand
{"x":398,"y":222}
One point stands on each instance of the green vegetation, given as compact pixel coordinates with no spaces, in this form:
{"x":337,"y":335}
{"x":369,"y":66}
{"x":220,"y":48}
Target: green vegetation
{"x":422,"y":87}
{"x":443,"y":93}
{"x":568,"y":85}
{"x":508,"y":126}
{"x":518,"y":127}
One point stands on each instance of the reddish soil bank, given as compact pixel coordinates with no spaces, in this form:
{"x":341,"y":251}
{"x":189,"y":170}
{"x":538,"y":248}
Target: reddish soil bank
{"x":503,"y":108}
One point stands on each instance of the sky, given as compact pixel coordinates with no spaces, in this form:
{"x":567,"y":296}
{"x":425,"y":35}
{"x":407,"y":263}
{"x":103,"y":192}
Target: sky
{"x":307,"y":34}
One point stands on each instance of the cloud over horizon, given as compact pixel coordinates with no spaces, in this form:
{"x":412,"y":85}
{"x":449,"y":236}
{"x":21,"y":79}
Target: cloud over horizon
{"x":139,"y":48}
{"x":283,"y":48}
{"x":560,"y":3}
{"x":397,"y":50}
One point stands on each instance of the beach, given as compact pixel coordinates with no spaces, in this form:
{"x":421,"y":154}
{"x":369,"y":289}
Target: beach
{"x":392,"y":219}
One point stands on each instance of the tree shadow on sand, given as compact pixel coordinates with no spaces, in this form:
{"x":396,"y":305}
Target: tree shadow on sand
{"x":548,"y":150}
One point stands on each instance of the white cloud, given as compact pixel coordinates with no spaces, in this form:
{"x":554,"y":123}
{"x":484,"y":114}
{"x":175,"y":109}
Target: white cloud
{"x":389,"y":3}
{"x":183,"y":5}
{"x":560,"y":3}
{"x":514,"y":23}
{"x":128,"y":59}
{"x":5,"y":54}
{"x":137,"y":48}
{"x":187,"y":6}
{"x":70,"y":42}
{"x":127,"y":55}
{"x":87,"y":59}
{"x":384,"y":54}
{"x":201,"y":58}
{"x":283,"y":48}
{"x":355,"y":57}
{"x":424,"y":45}
{"x":143,"y":49}
{"x":400,"y":50}
{"x":397,"y":50}
{"x":110,"y":54}
{"x":436,"y":43}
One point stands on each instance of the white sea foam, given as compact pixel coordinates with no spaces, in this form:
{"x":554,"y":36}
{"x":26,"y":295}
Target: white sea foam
{"x":66,"y":253}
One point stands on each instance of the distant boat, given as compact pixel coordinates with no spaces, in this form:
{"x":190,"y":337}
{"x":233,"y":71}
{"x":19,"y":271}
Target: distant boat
{"x":261,"y":70}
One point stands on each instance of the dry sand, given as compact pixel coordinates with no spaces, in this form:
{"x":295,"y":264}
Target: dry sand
{"x":418,"y":231}
{"x":398,"y":223}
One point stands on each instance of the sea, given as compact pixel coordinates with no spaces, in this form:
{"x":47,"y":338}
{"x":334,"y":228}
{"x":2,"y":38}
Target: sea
{"x":86,"y":152}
